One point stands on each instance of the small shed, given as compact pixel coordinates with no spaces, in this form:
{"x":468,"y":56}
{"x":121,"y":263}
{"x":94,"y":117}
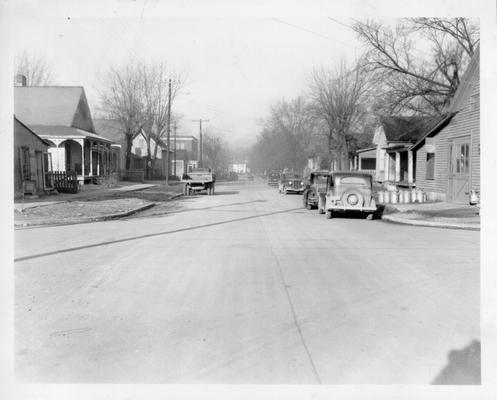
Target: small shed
{"x":31,"y":160}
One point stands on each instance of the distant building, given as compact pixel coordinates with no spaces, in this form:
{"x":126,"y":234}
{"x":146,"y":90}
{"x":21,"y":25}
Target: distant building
{"x":240,"y":167}
{"x":187,"y":151}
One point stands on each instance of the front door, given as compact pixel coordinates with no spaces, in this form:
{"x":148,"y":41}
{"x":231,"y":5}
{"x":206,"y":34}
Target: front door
{"x":459,"y":170}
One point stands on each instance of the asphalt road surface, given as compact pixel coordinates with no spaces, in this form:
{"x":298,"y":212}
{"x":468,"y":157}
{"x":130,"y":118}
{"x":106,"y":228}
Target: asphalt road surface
{"x":245,"y":286}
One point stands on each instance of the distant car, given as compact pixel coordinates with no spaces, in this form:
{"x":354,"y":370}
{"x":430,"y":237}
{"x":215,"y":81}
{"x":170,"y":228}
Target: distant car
{"x":273,"y":178}
{"x":250,"y":176}
{"x":315,"y":186}
{"x":348,"y":191}
{"x":290,"y":183}
{"x":198,"y":180}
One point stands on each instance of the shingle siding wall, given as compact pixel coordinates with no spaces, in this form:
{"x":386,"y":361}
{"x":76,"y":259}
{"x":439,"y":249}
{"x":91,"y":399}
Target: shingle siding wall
{"x":464,"y":123}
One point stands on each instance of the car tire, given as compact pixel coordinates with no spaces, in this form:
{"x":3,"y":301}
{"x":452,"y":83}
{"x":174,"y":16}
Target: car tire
{"x":329,"y":214}
{"x":308,"y":206}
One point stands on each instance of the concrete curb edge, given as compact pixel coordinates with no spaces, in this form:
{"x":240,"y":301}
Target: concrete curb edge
{"x":430,"y":224}
{"x":90,"y":219}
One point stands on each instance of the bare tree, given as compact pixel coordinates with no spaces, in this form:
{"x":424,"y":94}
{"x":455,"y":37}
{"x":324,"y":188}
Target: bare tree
{"x":288,"y":137}
{"x":338,"y":97}
{"x":412,"y":78}
{"x":155,"y":78}
{"x":217,"y":153}
{"x":123,"y":100}
{"x":34,"y":68}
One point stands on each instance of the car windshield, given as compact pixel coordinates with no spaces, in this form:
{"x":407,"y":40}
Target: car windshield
{"x":274,"y":175}
{"x":320,"y":179}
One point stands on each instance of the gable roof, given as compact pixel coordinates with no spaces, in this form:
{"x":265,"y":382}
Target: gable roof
{"x":112,"y":129}
{"x":468,"y":81}
{"x":27,"y":128}
{"x":53,"y":105}
{"x":406,"y":129}
{"x":52,"y":131}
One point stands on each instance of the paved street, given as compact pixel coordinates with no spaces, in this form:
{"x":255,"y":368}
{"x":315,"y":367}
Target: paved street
{"x":243,"y":287}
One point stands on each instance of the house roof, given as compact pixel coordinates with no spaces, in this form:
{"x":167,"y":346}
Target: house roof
{"x":406,"y":129}
{"x":364,"y":149}
{"x":468,"y":81}
{"x":470,"y":78}
{"x":44,"y":141}
{"x":52,"y":105}
{"x":67,"y":132}
{"x":110,"y":128}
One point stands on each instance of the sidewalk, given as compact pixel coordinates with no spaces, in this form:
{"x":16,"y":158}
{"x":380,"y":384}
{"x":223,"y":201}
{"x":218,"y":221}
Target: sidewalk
{"x":93,"y":204}
{"x":434,"y":214}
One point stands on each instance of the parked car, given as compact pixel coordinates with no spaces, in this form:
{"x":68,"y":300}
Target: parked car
{"x":198,"y":180}
{"x":348,"y":191}
{"x":290,"y":183}
{"x":316,"y":185}
{"x":273,"y":178}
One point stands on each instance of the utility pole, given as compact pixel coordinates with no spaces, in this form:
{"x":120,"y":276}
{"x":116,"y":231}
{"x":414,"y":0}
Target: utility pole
{"x":174,"y":165}
{"x":201,"y":145}
{"x":168,"y":158}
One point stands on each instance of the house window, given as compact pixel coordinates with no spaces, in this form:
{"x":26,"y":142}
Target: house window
{"x":141,"y":143}
{"x":430,"y":165}
{"x":25,"y":163}
{"x":462,"y":158}
{"x":368,"y":163}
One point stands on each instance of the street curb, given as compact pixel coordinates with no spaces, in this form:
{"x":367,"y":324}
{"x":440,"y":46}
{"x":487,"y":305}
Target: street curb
{"x":89,"y":219}
{"x":175,"y":196}
{"x":430,"y":224}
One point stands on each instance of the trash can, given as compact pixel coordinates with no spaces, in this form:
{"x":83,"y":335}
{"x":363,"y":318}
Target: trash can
{"x":394,"y":197}
{"x":381,"y":197}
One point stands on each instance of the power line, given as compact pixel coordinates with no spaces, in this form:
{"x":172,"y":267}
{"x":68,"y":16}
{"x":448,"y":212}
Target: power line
{"x":313,"y":33}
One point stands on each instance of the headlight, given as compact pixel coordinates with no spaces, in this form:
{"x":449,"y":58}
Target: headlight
{"x":290,"y":182}
{"x":302,"y":183}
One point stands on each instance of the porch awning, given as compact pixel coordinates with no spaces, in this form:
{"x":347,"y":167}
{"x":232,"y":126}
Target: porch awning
{"x":66,"y":132}
{"x":398,"y":148}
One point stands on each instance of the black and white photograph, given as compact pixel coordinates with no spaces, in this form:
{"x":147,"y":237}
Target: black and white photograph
{"x":232,"y":200}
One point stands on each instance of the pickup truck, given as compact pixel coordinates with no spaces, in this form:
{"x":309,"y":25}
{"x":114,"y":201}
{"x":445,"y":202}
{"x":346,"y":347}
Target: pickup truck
{"x":198,"y":180}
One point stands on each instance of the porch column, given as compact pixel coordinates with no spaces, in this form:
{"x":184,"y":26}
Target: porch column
{"x":387,"y":167}
{"x":410,"y":168}
{"x":397,"y":166}
{"x":98,"y":159}
{"x":91,"y":158}
{"x":82,"y":144}
{"x":355,"y":162}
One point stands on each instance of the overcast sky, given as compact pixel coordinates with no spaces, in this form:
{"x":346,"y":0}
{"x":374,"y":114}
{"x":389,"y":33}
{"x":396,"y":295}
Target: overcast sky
{"x":238,"y":61}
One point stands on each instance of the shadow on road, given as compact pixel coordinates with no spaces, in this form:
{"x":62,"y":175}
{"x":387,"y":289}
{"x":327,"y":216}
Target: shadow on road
{"x":149,"y":235}
{"x":463,"y":367}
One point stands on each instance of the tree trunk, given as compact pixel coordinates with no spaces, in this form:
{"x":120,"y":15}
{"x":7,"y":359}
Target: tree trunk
{"x":129,"y":146}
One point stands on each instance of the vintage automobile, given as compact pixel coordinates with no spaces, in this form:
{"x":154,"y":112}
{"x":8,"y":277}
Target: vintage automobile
{"x":273,"y":178}
{"x":290,"y":183}
{"x":198,"y":180}
{"x":315,"y":186}
{"x":348,"y":191}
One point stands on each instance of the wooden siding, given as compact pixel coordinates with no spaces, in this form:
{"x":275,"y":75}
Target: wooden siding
{"x":464,"y":123}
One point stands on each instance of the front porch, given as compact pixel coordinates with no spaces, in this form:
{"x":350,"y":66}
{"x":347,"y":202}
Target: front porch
{"x":93,"y":161}
{"x":400,"y":166}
